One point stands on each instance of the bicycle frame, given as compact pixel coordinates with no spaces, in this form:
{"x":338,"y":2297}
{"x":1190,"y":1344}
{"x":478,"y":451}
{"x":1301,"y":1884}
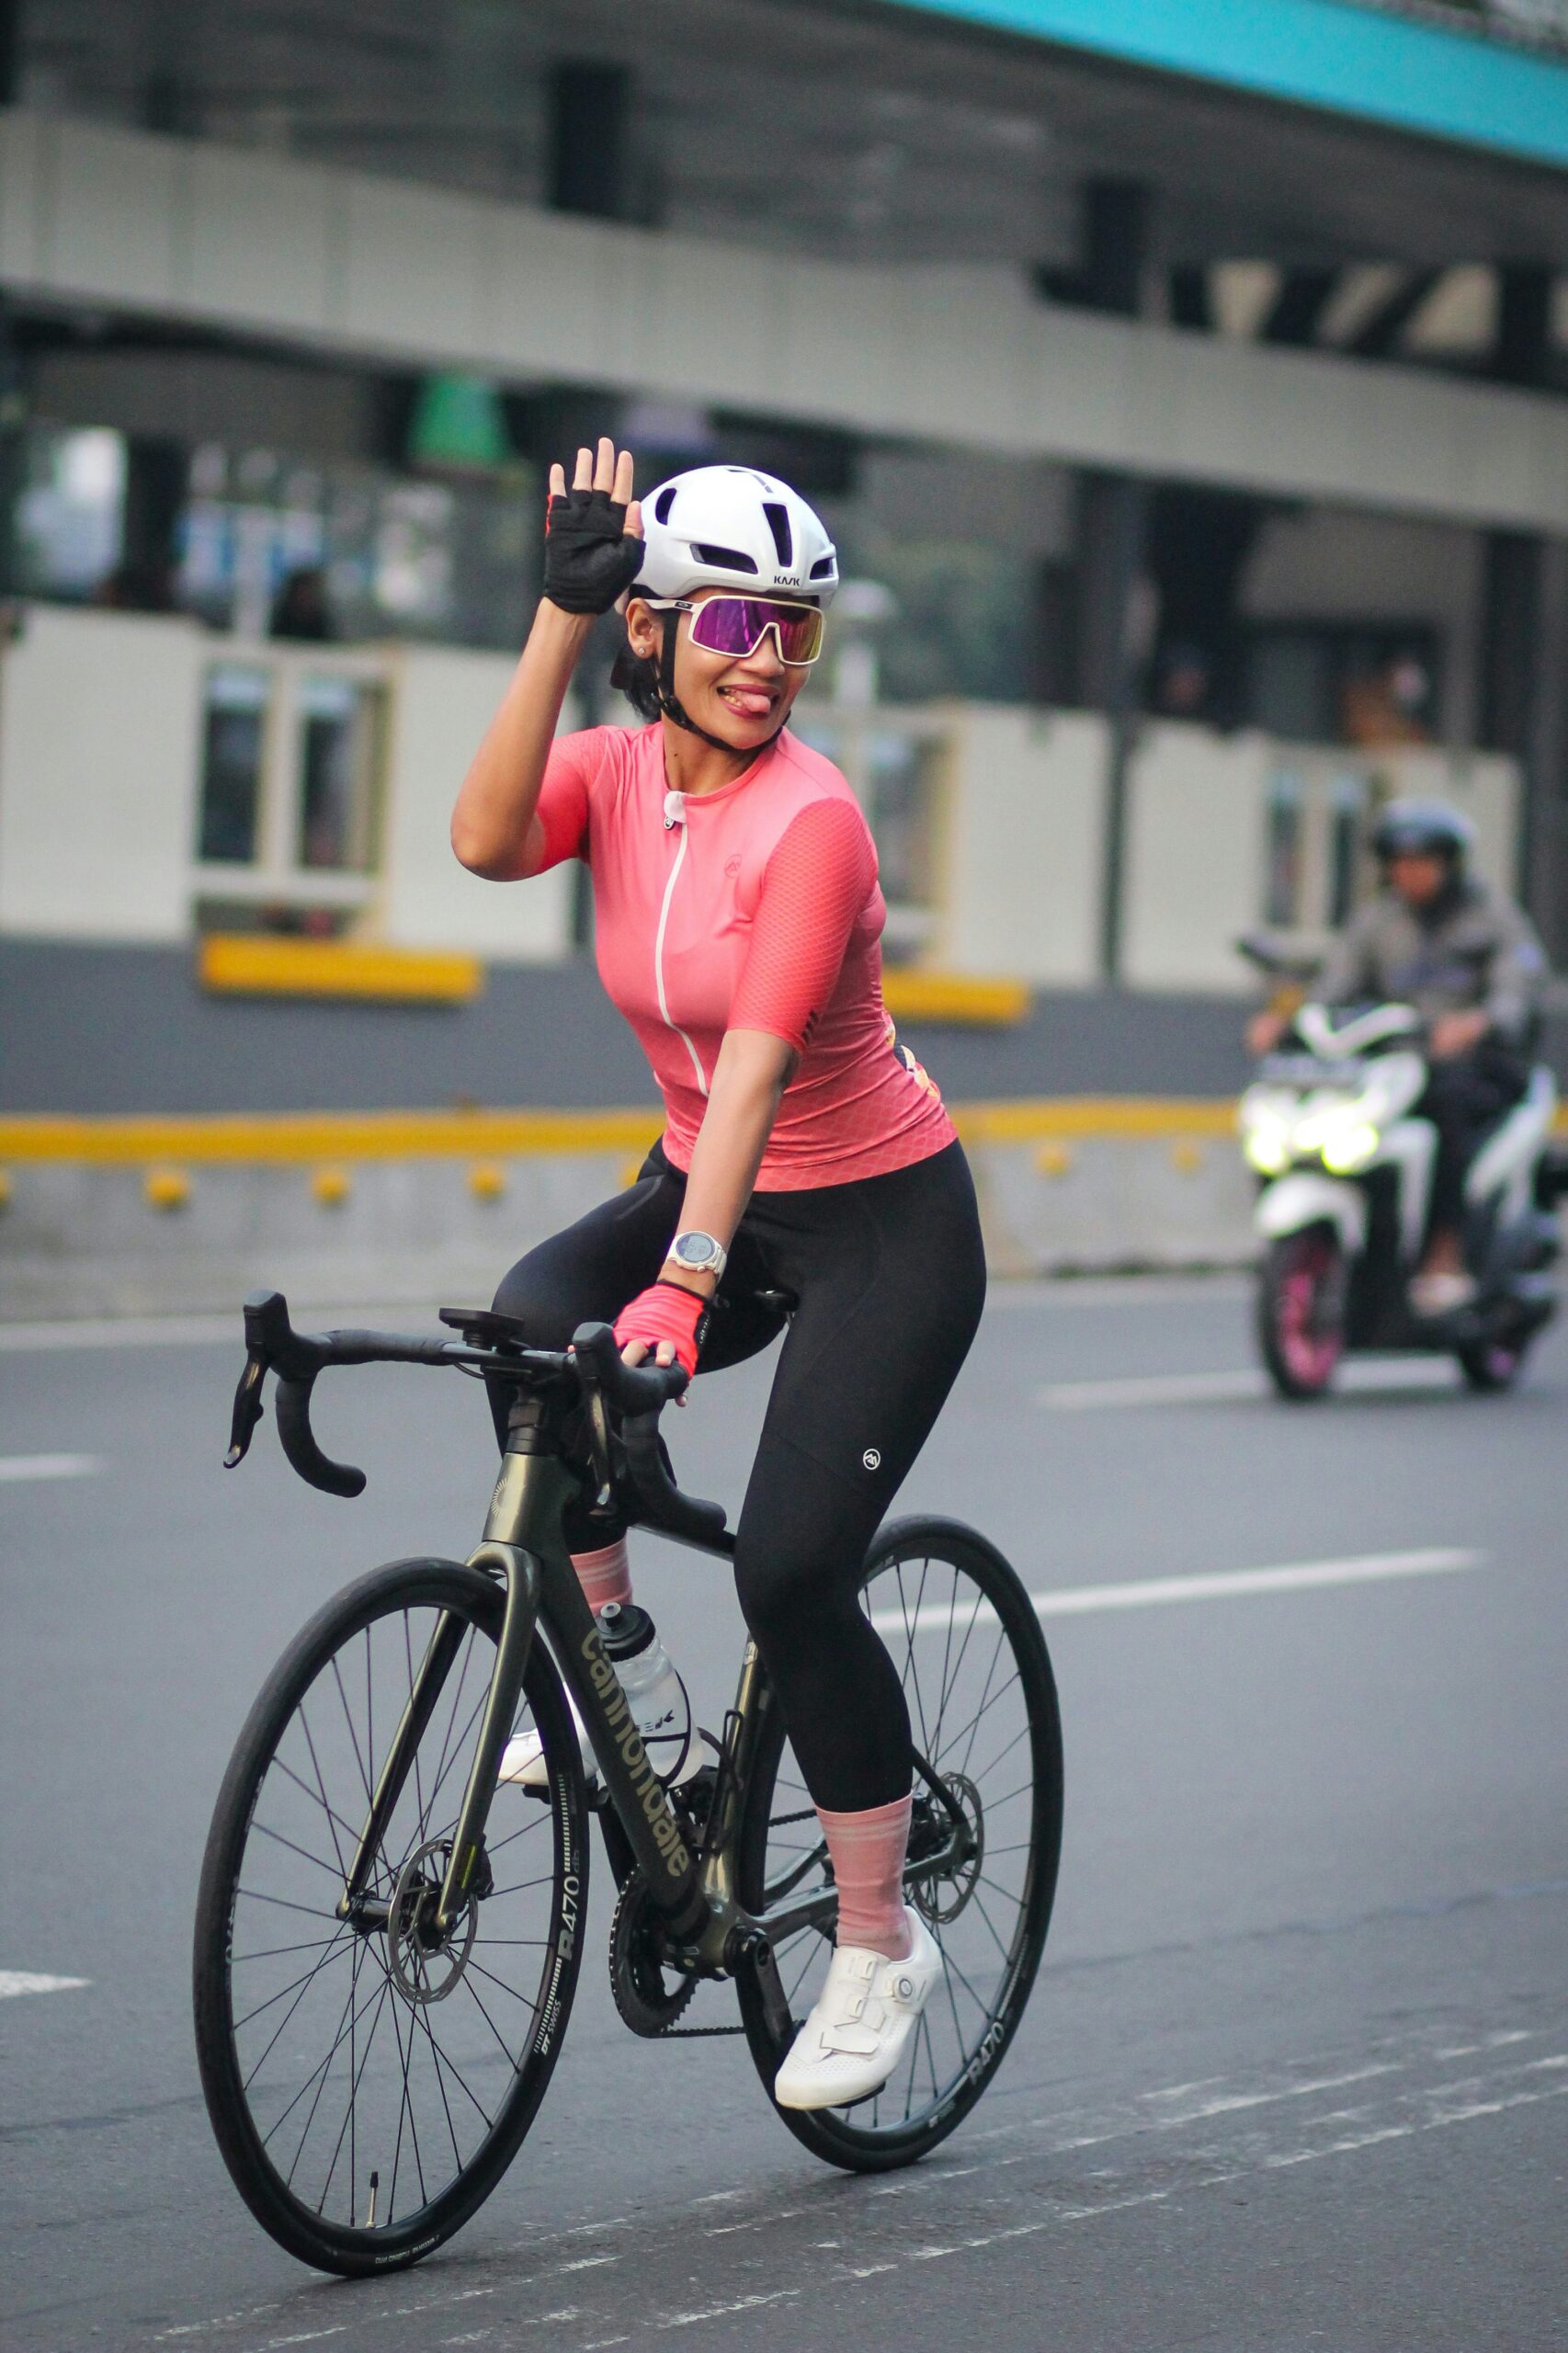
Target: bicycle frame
{"x":524,"y":1548}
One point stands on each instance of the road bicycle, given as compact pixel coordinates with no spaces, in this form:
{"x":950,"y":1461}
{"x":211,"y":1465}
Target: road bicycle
{"x":390,"y":1930}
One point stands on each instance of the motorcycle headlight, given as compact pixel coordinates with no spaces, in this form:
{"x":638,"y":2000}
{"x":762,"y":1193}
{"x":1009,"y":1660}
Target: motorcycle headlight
{"x":1266,"y":1147}
{"x":1350,"y":1147}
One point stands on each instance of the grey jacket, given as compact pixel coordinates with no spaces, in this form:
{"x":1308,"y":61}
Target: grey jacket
{"x":1477,"y":949}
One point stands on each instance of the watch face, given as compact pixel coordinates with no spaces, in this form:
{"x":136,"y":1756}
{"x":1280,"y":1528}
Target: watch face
{"x":696,"y":1250}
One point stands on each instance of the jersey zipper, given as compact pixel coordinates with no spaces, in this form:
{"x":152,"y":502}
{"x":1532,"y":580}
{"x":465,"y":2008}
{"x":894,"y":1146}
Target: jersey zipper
{"x":675,"y":816}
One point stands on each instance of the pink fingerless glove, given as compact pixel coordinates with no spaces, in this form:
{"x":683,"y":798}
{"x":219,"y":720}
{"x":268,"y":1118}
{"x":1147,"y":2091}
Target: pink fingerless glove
{"x":666,"y":1312}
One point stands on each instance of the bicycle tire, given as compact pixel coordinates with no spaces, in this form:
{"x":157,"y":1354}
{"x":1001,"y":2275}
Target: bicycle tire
{"x":417,"y":1589}
{"x":860,"y":2140}
{"x":1299,"y":1355}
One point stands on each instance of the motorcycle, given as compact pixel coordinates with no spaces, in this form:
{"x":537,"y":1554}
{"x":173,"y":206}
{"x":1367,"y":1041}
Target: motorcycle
{"x":1344,"y":1170}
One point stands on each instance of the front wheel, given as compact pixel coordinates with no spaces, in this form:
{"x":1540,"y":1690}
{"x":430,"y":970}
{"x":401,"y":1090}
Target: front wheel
{"x":1302,"y":1294}
{"x":369,"y":2079}
{"x":982,"y":1708}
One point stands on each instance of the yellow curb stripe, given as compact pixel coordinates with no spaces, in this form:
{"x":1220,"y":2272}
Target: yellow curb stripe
{"x":295,"y":1136}
{"x":245,"y":964}
{"x":915,"y":996}
{"x":1033,"y":1121}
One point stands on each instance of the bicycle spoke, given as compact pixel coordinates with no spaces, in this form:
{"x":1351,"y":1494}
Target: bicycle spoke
{"x":987,"y":1700}
{"x":348,"y":1720}
{"x":322,"y":2065}
{"x":473,"y":1992}
{"x":406,"y":2057}
{"x":311,"y":1911}
{"x":511,"y":1990}
{"x":334,"y":1951}
{"x":334,"y":1820}
{"x":979,"y":1908}
{"x":331,"y":1870}
{"x":539,"y":1821}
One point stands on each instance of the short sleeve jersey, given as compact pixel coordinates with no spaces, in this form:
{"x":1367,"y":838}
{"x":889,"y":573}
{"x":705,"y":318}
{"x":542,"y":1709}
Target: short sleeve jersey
{"x":754,"y":907}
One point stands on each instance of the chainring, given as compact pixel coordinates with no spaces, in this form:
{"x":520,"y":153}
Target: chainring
{"x":639,"y":1975}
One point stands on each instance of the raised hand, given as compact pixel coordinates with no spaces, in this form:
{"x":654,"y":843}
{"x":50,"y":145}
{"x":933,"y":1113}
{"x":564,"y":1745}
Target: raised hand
{"x":593,"y":544}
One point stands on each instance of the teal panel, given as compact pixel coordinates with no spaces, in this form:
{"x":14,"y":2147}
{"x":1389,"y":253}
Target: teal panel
{"x":1330,"y":53}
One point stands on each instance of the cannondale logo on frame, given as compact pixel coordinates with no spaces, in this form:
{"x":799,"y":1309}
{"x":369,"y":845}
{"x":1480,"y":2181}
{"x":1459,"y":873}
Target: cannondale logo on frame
{"x":871,"y":1459}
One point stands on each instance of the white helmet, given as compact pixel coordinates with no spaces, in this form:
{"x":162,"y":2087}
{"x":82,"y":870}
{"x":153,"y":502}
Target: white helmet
{"x":729,"y":527}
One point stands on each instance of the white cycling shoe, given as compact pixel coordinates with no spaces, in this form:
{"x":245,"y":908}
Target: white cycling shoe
{"x":522,"y":1759}
{"x":860,"y":2024}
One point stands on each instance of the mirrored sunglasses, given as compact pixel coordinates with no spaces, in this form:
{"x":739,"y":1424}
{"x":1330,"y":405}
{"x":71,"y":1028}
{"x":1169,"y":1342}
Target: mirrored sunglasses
{"x":735,"y":626}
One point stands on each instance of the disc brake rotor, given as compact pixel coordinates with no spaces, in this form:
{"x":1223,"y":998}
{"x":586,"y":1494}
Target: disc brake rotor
{"x":944,"y":1893}
{"x":423,"y":1963}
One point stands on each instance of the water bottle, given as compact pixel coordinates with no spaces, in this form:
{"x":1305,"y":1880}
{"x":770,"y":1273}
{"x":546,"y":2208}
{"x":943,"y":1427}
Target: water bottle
{"x":655,"y":1692}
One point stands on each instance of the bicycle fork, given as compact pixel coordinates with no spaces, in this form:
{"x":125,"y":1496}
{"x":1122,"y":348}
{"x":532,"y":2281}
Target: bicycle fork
{"x":529,"y":1493}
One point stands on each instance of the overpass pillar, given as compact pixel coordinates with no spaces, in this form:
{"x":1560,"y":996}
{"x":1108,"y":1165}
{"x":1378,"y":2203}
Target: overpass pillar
{"x":1100,"y":662}
{"x":1524,"y":649}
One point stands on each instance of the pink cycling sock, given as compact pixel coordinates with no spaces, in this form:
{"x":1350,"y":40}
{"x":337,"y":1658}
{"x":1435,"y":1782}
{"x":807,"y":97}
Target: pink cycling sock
{"x":867,"y":1851}
{"x":604,"y":1576}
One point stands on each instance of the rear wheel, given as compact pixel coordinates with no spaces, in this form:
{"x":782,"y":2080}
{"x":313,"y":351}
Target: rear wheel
{"x":369,"y":2079}
{"x":982,"y":1707}
{"x":1491,"y":1365}
{"x":1300,"y":1311}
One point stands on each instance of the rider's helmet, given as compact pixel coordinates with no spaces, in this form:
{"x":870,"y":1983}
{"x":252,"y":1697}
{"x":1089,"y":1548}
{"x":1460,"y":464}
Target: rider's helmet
{"x":722,"y":526}
{"x":1424,"y":829}
{"x":729,"y":527}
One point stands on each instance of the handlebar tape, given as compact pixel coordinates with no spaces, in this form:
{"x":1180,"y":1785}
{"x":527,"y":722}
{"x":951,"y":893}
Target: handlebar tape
{"x":318,"y":1470}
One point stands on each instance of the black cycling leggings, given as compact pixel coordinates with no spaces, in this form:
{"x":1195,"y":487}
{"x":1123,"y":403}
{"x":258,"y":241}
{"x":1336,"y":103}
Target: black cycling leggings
{"x":1465,"y":1096}
{"x":890,"y":1279}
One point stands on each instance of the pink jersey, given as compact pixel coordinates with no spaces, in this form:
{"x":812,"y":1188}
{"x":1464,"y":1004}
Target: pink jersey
{"x":754,"y":907}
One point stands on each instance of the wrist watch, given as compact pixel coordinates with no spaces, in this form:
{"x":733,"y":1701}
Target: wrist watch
{"x":699,"y":1254}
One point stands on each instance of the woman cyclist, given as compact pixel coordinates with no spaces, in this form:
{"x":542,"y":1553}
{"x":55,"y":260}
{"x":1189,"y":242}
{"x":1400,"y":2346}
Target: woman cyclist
{"x":738,"y":929}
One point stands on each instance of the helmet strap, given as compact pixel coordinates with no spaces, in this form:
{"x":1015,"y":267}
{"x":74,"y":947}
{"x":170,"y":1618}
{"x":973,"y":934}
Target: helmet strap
{"x":670,"y":703}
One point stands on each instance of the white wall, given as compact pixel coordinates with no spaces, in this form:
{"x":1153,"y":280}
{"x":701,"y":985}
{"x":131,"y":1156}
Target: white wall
{"x":99,"y":747}
{"x":1020,"y":888}
{"x":443,"y":700}
{"x":1193,"y":877}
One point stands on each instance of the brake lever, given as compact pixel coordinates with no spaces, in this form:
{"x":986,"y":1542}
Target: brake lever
{"x":247,"y":1408}
{"x":603,"y":1503}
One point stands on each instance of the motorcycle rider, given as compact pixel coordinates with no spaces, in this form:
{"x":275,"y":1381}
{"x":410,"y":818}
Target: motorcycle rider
{"x":1435,"y":936}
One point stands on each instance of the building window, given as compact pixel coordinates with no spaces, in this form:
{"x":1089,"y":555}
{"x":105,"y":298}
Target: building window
{"x":339,"y":770}
{"x":233,"y":734}
{"x":1283,"y":893}
{"x":293,"y":767}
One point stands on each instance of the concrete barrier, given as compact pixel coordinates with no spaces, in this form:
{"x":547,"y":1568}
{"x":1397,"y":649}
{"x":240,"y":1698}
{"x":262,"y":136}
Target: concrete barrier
{"x":148,"y":1216}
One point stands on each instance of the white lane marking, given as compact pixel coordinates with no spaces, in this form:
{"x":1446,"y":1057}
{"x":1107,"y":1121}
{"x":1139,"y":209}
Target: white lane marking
{"x":32,"y":1981}
{"x":1374,"y":1376}
{"x":14,"y":1468}
{"x":1145,"y":1593}
{"x":722,"y":2312}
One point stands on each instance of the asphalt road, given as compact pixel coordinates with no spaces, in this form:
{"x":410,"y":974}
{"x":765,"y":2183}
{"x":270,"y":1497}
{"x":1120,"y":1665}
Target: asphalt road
{"x":1296,"y":2071}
